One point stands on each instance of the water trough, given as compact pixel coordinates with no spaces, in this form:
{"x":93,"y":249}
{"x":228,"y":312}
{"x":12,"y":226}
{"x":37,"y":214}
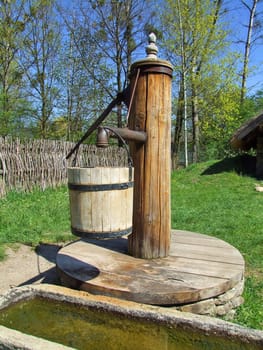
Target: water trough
{"x":87,"y":321}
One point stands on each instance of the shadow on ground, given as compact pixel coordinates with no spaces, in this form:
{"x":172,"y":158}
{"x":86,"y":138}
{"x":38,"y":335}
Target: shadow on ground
{"x":241,"y":164}
{"x":48,"y":253}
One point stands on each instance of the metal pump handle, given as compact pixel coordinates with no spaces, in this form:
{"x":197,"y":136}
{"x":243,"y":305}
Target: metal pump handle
{"x":123,"y":96}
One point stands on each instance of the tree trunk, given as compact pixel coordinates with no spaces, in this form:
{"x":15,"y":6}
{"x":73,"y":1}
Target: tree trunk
{"x":252,"y":11}
{"x":195,"y":120}
{"x":178,"y":129}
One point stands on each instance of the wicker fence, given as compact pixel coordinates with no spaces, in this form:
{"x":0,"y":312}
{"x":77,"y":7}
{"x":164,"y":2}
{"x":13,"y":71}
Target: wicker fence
{"x":42,"y":163}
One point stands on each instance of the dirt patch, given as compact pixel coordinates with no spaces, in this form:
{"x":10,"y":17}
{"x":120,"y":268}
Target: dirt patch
{"x":26,"y":265}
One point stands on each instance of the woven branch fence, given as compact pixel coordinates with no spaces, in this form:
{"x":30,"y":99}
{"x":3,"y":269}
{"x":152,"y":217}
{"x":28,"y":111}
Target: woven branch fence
{"x":25,"y":165}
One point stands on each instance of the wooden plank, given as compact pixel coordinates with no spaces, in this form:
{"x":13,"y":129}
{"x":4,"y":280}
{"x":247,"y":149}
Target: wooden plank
{"x":196,"y":238}
{"x":96,"y":200}
{"x":104,"y":206}
{"x":203,"y":242}
{"x":205,"y":253}
{"x":165,"y":268}
{"x":105,"y":267}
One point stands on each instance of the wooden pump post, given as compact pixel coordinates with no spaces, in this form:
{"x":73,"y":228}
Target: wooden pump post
{"x":151,"y":112}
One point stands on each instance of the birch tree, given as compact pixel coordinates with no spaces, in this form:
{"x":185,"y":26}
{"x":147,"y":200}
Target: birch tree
{"x":251,"y":7}
{"x":202,"y":41}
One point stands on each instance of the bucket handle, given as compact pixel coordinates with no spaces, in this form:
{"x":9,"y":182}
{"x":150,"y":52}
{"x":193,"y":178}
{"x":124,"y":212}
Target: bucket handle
{"x":130,"y":162}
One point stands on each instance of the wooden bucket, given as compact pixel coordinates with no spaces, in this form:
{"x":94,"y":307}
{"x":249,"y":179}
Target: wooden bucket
{"x":101,"y":201}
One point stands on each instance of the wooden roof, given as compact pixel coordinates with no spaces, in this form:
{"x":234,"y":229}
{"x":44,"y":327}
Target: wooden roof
{"x":245,"y":137}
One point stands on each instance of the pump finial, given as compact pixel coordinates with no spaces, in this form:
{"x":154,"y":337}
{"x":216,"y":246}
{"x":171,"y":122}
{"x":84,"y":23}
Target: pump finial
{"x":152,"y":49}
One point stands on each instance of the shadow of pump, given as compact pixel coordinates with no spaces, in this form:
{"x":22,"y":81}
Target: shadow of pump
{"x":49,"y":253}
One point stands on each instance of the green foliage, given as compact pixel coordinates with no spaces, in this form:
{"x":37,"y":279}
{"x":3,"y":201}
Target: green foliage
{"x":223,"y":115}
{"x":11,"y":76}
{"x":191,"y":31}
{"x":252,"y":105}
{"x":196,"y":40}
{"x":220,"y":117}
{"x":58,"y":128}
{"x":229,"y":117}
{"x":13,"y":118}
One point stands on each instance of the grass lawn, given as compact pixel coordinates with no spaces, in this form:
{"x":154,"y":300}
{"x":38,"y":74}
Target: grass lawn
{"x":213,"y":199}
{"x":210,"y":198}
{"x":30,"y":218}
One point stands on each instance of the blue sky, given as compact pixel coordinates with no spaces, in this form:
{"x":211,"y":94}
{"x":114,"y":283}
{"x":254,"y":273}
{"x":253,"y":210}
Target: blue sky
{"x":238,"y":18}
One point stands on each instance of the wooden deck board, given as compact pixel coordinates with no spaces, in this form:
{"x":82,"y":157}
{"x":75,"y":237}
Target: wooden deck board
{"x":192,"y":272}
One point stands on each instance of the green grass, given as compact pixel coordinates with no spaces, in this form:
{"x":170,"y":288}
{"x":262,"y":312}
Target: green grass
{"x":250,"y":314}
{"x":40,"y":216}
{"x":224,"y":204}
{"x":210,"y":198}
{"x":2,"y":253}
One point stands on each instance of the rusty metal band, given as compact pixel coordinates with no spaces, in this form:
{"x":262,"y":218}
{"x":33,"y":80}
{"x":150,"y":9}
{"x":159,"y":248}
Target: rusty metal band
{"x":103,"y":187}
{"x":155,"y":69}
{"x":101,"y":235}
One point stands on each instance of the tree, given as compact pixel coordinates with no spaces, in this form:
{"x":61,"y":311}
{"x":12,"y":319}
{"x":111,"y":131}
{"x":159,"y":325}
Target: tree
{"x":208,"y":18}
{"x":193,"y":44}
{"x":12,"y":102}
{"x":252,"y":24}
{"x":220,"y":110}
{"x":84,"y":77}
{"x":113,"y":30}
{"x":39,"y":61}
{"x":251,"y":106}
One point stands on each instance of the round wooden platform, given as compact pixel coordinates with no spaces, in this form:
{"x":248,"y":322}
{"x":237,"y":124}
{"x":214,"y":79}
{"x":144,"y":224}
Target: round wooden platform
{"x":199,"y":267}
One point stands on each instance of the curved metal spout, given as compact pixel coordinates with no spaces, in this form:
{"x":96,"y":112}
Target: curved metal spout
{"x":102,"y":137}
{"x":127,"y":134}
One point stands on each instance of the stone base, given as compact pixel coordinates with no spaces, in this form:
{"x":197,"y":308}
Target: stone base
{"x":223,"y":305}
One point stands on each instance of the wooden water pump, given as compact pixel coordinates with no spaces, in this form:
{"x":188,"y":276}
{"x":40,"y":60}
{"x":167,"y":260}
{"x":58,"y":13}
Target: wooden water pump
{"x":199,"y":268}
{"x":151,"y":113}
{"x":149,"y":134}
